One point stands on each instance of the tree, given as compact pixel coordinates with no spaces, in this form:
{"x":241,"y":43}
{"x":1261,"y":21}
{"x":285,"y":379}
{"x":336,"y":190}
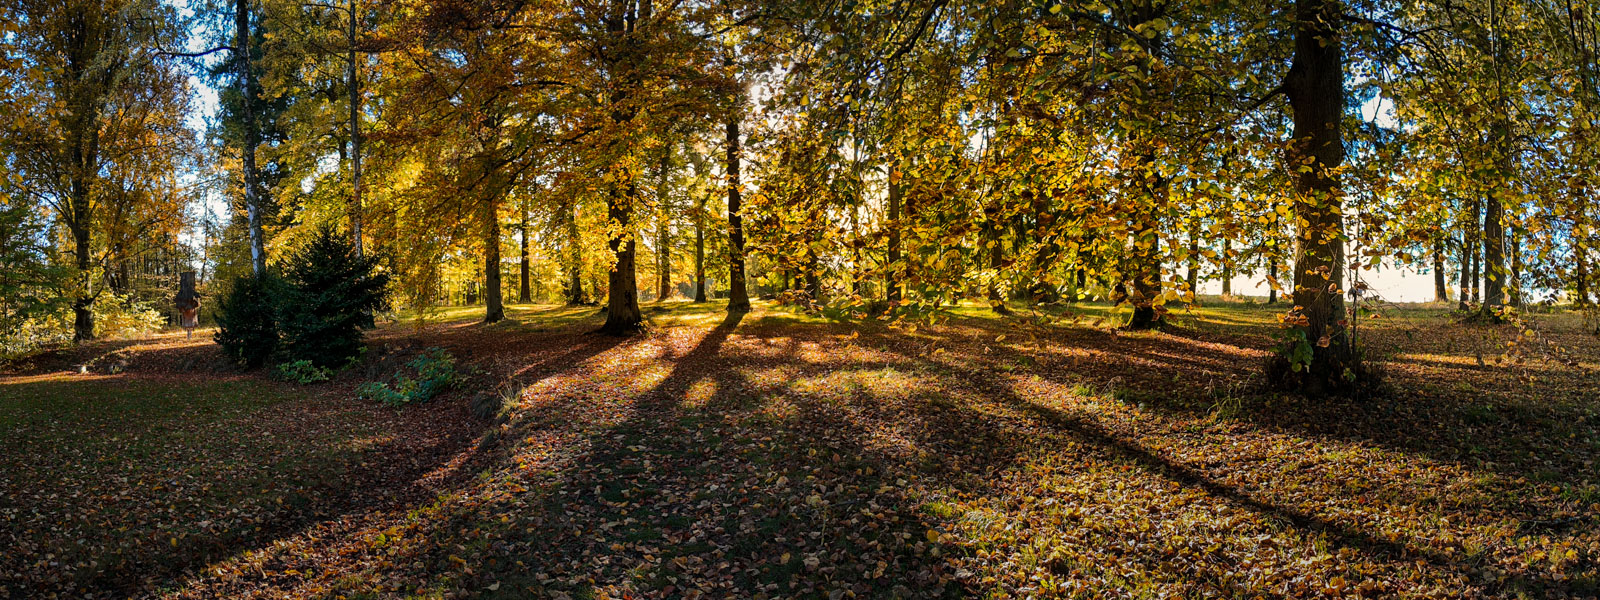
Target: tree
{"x":331,"y":297}
{"x":101,"y":97}
{"x":1321,"y":356}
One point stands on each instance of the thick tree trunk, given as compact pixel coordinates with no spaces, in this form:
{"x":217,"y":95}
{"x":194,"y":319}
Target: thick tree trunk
{"x":84,"y":127}
{"x":82,"y":315}
{"x":857,"y":270}
{"x":1441,"y":287}
{"x":738,"y":298}
{"x":1315,"y":88}
{"x":1146,"y":272}
{"x":1494,"y":254}
{"x":622,"y":308}
{"x":494,"y":308}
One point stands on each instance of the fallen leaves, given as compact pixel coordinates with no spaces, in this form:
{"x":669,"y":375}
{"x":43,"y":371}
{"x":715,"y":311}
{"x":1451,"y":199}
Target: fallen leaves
{"x":802,"y":460}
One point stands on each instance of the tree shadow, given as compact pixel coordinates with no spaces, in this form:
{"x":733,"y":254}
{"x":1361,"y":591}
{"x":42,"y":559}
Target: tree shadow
{"x":382,"y":462}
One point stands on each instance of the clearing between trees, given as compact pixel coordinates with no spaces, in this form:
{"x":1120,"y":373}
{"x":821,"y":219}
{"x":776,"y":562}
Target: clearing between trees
{"x":786,"y":455}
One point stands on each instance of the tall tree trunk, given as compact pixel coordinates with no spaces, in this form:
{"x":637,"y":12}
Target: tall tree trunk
{"x":813,"y":277}
{"x":1441,"y":286}
{"x":663,"y":231}
{"x":1514,"y":282}
{"x":82,"y":315}
{"x":663,"y":259}
{"x":1477,"y":269}
{"x":700,"y":251}
{"x":247,"y":84}
{"x":1315,"y":88}
{"x":1581,"y":258}
{"x":574,"y":253}
{"x":1227,"y":267}
{"x":1464,"y":275}
{"x":1494,"y":232}
{"x":1272,"y":271}
{"x":355,"y":137}
{"x":494,"y":308}
{"x":1193,"y":277}
{"x":1494,"y":253}
{"x":997,"y":261}
{"x":738,"y":298}
{"x":525,"y":287}
{"x":892,"y":284}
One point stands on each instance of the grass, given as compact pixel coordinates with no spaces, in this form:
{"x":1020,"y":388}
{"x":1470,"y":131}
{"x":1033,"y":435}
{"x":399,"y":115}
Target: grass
{"x":790,"y":455}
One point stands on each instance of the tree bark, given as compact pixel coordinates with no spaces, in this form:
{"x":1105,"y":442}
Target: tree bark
{"x":892,"y":283}
{"x":1441,"y":287}
{"x":813,"y":277}
{"x":1580,"y":256}
{"x":700,"y":251}
{"x":574,"y":255}
{"x":1193,"y":277}
{"x":1315,"y":88}
{"x":355,"y":138}
{"x":1477,"y":268}
{"x":1272,"y":271}
{"x":1494,"y":253}
{"x":997,"y":261}
{"x":738,"y":297}
{"x":247,"y":84}
{"x":525,"y":287}
{"x":1227,"y":267}
{"x":622,"y":309}
{"x":1146,"y":275}
{"x":493,"y":304}
{"x":1464,"y":276}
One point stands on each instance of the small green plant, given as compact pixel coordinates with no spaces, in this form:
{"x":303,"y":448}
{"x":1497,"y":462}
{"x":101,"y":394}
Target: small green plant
{"x":303,"y":372}
{"x":1297,"y":349}
{"x":381,"y":393}
{"x":435,"y":372}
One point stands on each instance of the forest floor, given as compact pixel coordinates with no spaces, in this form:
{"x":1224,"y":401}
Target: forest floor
{"x":786,"y":455}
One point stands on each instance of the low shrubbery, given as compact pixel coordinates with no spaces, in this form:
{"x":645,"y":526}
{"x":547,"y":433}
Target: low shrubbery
{"x":434,"y":372}
{"x":303,"y":372}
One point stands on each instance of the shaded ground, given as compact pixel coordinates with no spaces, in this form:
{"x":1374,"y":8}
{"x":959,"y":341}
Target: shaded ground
{"x":789,"y":456}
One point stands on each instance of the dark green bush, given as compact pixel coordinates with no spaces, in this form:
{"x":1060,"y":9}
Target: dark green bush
{"x":247,"y":320}
{"x":331,"y":298}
